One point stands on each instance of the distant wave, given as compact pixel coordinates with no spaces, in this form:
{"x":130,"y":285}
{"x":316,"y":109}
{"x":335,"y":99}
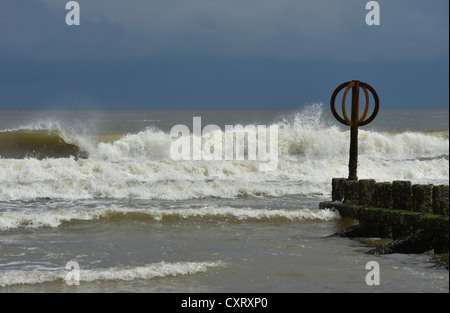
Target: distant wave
{"x":303,"y":135}
{"x":55,"y":218}
{"x":39,"y":144}
{"x":130,"y":273}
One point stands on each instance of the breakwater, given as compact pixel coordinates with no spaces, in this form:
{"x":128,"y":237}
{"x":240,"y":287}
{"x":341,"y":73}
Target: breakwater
{"x":414,"y":216}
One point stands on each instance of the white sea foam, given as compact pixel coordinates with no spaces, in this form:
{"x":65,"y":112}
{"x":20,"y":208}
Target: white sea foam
{"x":54,"y":218}
{"x":296,"y":140}
{"x":139,"y":165}
{"x":150,"y":271}
{"x":28,"y":179}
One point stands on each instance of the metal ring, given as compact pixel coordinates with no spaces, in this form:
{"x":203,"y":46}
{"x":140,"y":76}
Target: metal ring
{"x":361,"y":121}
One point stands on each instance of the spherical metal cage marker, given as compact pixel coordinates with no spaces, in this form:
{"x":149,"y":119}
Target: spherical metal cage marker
{"x":355,"y":121}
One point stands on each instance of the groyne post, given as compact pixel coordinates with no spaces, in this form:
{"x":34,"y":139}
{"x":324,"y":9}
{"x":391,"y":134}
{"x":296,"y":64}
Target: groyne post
{"x":422,"y":198}
{"x":383,"y":195}
{"x":351,"y":192}
{"x":366,"y":191}
{"x":338,"y":189}
{"x":440,"y":199}
{"x":401,"y":195}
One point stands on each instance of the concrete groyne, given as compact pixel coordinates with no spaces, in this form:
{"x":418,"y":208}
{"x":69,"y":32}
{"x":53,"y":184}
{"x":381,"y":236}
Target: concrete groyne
{"x":414,"y":216}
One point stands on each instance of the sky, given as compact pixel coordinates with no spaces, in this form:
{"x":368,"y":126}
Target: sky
{"x":220,"y":54}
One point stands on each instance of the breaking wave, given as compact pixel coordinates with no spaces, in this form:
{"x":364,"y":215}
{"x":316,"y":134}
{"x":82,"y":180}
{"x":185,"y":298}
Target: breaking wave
{"x":150,"y":271}
{"x":54,"y":218}
{"x":54,"y":163}
{"x":39,"y":144}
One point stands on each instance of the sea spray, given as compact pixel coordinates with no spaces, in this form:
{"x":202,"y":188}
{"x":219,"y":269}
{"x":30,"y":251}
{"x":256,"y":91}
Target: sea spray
{"x":311,"y":151}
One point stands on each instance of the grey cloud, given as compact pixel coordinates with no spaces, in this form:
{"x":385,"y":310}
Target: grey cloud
{"x":284,"y":28}
{"x":30,"y":29}
{"x":292,"y":29}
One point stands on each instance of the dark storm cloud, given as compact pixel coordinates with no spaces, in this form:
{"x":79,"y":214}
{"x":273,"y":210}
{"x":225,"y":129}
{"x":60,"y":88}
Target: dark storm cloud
{"x":320,"y":29}
{"x":32,"y":30}
{"x":219,"y":53}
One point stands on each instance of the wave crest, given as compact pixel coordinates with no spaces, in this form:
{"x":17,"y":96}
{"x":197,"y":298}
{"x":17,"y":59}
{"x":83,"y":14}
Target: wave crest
{"x":150,"y":271}
{"x":55,"y":218}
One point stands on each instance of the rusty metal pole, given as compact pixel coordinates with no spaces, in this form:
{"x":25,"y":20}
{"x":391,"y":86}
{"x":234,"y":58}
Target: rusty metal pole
{"x":353,"y":161}
{"x":355,"y":121}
